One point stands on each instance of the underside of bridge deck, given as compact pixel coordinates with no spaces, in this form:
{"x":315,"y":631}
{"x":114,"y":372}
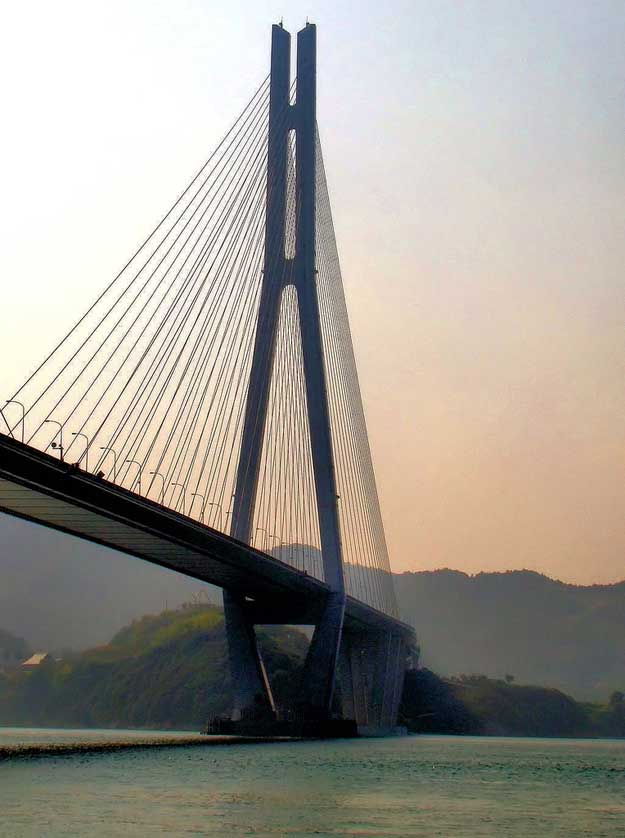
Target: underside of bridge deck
{"x":39,"y":488}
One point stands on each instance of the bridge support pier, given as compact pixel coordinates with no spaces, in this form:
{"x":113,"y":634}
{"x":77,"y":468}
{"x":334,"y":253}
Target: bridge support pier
{"x":251,"y":691}
{"x":320,"y":667}
{"x":371,"y":676}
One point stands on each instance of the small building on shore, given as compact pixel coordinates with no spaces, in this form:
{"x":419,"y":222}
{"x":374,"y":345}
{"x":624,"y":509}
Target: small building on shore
{"x":38,"y":659}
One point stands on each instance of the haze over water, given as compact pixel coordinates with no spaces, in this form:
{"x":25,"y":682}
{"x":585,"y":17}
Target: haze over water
{"x":415,"y":786}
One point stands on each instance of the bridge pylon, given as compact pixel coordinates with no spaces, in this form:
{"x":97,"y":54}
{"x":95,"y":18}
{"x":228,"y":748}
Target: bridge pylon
{"x":251,"y":688}
{"x":219,"y":361}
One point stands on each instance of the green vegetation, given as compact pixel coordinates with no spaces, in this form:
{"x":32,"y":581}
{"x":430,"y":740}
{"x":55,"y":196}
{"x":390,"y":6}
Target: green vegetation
{"x":170,"y":671}
{"x":475,"y":704}
{"x":522,"y":623}
{"x":542,"y":631}
{"x":164,"y":671}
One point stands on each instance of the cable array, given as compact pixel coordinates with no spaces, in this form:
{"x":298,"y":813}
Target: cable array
{"x":365,"y":554}
{"x":149,"y":388}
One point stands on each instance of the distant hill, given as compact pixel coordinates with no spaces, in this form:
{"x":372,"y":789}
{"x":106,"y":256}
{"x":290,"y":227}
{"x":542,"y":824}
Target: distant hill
{"x":61,"y":593}
{"x":162,"y":671}
{"x":495,"y":707}
{"x":170,"y":670}
{"x":520,"y":623}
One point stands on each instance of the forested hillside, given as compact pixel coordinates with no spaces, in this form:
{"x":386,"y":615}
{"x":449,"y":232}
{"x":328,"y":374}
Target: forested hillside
{"x":170,"y":671}
{"x":519,"y":623}
{"x":494,"y":707}
{"x":60,"y":593}
{"x":162,"y":671}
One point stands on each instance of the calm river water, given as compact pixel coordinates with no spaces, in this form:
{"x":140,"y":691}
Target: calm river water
{"x":416,"y":786}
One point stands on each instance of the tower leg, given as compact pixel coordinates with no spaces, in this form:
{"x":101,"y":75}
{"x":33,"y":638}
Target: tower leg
{"x":320,"y":667}
{"x":252,"y":694}
{"x":321,"y":663}
{"x":251,"y":687}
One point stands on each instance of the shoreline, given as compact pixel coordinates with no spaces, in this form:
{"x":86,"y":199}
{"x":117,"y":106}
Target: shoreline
{"x":27,"y":751}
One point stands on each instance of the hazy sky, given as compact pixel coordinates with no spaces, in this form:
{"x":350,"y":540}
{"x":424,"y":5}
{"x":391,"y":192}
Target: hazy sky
{"x":475,"y":153}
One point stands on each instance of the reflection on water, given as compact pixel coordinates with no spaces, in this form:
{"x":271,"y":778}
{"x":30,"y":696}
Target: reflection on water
{"x":418,"y":786}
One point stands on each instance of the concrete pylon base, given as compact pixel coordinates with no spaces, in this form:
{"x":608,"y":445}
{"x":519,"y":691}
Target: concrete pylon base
{"x":319,"y":675}
{"x":252,"y":693}
{"x":371,"y":676}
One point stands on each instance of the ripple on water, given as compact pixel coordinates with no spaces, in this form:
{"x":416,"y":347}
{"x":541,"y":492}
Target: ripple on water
{"x":418,"y":786}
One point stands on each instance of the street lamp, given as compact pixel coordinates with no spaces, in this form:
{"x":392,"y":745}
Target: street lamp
{"x":218,"y":505}
{"x":229,"y":512}
{"x":182,"y":494}
{"x":138,"y":480}
{"x":158,"y":474}
{"x":59,"y":447}
{"x":262,"y":530}
{"x":112,"y":450}
{"x":79,"y":433}
{"x":274,"y":536}
{"x":23,"y":420}
{"x":198,"y":495}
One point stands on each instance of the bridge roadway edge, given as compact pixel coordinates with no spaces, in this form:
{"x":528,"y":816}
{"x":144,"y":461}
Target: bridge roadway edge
{"x":39,"y":488}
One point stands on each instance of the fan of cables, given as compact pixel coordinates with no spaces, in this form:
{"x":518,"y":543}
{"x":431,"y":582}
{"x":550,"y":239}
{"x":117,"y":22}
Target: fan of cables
{"x":149,"y":387}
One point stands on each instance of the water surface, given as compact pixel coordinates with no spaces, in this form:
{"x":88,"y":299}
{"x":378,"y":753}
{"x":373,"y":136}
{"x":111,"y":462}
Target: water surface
{"x":416,"y":786}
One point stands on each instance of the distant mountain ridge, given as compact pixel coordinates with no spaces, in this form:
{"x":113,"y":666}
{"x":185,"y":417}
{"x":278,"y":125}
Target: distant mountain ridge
{"x":58,"y":592}
{"x":170,"y":670}
{"x":521,"y":623}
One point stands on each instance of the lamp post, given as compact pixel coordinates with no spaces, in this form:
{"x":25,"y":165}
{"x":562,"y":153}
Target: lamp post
{"x":182,"y":493}
{"x":261,"y":530}
{"x":86,"y":438}
{"x":229,"y":511}
{"x":197,"y":495}
{"x":218,"y":505}
{"x":58,"y":446}
{"x":158,"y":474}
{"x":271,"y":535}
{"x":112,"y":450}
{"x":138,"y":480}
{"x":23,"y":420}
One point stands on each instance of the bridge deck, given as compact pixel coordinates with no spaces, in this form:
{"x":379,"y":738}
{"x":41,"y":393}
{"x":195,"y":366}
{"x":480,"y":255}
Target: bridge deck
{"x":39,"y":488}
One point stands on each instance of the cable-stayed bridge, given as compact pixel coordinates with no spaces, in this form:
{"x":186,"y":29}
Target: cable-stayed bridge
{"x":204,"y":414}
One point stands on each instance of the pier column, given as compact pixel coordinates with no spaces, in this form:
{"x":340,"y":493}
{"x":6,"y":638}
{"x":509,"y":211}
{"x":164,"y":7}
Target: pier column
{"x":372,"y":679}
